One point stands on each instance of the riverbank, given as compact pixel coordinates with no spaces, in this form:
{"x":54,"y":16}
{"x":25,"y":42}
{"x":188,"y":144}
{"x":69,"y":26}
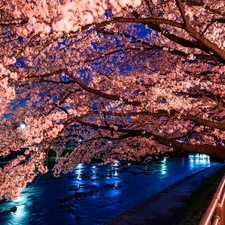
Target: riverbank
{"x":199,"y":201}
{"x":166,"y":206}
{"x":92,"y":194}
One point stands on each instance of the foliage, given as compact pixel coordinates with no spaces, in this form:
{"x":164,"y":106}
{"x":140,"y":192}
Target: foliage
{"x":131,"y":77}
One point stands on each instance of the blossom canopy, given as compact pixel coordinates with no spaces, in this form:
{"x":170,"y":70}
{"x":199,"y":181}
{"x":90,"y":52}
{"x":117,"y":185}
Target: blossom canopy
{"x":114,"y":79}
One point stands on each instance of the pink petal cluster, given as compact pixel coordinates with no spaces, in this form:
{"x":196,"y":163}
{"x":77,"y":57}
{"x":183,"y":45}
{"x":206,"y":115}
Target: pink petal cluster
{"x":109,"y":80}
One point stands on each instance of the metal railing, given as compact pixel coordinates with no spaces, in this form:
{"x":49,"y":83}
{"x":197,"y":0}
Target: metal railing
{"x":215,"y":213}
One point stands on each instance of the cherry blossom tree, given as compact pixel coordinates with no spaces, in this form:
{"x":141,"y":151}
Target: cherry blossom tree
{"x":131,"y":78}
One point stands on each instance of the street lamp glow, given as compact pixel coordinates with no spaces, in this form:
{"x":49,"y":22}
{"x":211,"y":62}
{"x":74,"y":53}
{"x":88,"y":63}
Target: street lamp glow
{"x":22,"y":125}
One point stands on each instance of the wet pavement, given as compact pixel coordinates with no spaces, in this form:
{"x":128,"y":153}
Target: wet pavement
{"x":164,"y":207}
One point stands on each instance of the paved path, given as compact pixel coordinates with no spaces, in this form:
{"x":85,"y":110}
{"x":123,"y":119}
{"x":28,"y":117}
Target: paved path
{"x":163,"y":208}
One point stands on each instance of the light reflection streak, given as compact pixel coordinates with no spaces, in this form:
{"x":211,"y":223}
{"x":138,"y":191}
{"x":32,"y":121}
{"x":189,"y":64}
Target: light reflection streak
{"x":198,"y":160}
{"x":94,"y":170}
{"x":78,"y":171}
{"x":164,"y":166}
{"x":114,"y":168}
{"x":115,"y":180}
{"x":21,"y":213}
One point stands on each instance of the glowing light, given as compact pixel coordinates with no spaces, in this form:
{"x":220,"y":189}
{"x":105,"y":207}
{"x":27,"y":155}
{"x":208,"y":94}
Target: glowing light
{"x":21,"y":210}
{"x":116,"y":163}
{"x":78,"y":171}
{"x":94,"y":172}
{"x":22,"y":125}
{"x":164,"y":166}
{"x":198,"y":159}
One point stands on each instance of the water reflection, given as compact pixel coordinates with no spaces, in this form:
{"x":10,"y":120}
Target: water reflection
{"x":78,"y":171}
{"x":164,"y":168}
{"x":114,"y":168}
{"x":113,"y":181}
{"x":21,"y":213}
{"x":92,"y":195}
{"x":94,"y":172}
{"x":198,"y":159}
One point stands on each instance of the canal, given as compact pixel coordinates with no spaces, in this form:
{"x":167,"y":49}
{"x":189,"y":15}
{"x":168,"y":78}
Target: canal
{"x":92,"y":195}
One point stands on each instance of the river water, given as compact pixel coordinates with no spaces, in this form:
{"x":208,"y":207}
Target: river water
{"x":92,"y":195}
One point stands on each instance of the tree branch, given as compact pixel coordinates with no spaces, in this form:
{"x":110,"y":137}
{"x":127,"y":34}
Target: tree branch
{"x":213,"y":151}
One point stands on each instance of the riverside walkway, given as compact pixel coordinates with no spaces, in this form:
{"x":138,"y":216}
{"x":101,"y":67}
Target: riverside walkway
{"x":164,"y":207}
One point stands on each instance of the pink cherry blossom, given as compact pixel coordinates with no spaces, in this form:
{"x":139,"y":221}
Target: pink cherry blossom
{"x":114,"y":79}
